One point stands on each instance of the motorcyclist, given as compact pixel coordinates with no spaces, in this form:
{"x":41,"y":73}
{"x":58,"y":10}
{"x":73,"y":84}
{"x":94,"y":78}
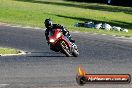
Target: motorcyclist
{"x":50,"y":26}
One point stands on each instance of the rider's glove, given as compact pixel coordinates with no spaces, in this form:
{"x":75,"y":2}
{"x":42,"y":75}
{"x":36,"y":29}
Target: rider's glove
{"x":66,"y":32}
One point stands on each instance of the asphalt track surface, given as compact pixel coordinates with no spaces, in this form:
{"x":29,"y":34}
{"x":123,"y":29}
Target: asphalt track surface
{"x":43,"y":68}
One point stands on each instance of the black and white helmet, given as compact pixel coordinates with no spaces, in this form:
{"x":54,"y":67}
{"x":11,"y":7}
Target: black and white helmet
{"x":48,"y":23}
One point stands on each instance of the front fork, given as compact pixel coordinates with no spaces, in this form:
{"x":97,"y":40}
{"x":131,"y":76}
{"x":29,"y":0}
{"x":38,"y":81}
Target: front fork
{"x":66,"y":46}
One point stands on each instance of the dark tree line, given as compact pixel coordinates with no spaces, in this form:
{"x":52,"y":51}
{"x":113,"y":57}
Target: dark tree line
{"x":112,"y":2}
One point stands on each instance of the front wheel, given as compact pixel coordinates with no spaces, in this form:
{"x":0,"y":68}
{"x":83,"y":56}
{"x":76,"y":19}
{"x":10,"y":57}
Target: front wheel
{"x":65,"y":49}
{"x":75,"y":50}
{"x":75,"y":53}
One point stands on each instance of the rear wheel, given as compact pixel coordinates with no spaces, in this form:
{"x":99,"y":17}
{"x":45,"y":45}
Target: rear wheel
{"x":65,"y":49}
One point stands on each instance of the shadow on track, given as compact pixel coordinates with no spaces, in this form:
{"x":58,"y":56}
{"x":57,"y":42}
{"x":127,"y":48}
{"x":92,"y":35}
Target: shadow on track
{"x":45,"y":54}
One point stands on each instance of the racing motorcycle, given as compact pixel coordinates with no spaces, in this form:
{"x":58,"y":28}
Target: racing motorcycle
{"x":62,"y":44}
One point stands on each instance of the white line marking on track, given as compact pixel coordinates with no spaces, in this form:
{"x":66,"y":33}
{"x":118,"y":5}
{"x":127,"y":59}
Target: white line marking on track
{"x":3,"y":85}
{"x":114,"y":35}
{"x":103,"y":34}
{"x":37,"y":28}
{"x":16,"y":26}
{"x":94,"y":33}
{"x":27,"y":27}
{"x":75,"y":32}
{"x":7,"y":25}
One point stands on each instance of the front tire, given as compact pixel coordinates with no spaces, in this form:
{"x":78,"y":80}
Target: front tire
{"x":75,"y":50}
{"x":65,"y":49}
{"x":75,"y":53}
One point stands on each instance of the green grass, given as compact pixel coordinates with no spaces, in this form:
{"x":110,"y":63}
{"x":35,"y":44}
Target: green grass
{"x":8,"y":51}
{"x":33,"y":13}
